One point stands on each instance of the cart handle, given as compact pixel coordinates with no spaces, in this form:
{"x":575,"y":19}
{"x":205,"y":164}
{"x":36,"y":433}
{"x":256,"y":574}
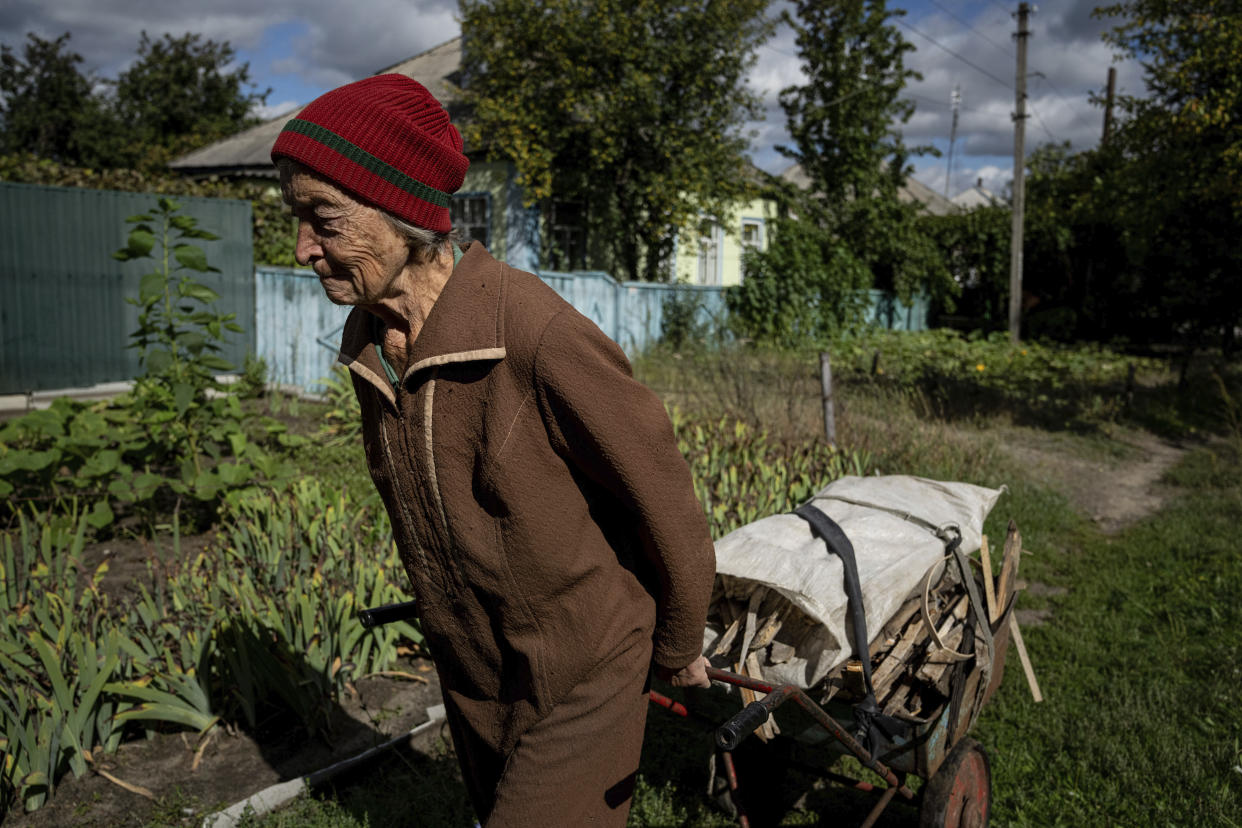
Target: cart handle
{"x":388,"y":613}
{"x":732,"y":732}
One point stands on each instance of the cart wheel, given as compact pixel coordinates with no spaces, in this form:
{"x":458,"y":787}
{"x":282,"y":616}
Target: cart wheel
{"x":959,"y":795}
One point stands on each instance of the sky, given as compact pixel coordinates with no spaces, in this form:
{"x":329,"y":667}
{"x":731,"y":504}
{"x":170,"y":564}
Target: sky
{"x":301,"y":49}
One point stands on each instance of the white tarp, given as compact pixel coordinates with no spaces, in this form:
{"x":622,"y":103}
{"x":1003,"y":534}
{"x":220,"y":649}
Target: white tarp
{"x":892,"y":522}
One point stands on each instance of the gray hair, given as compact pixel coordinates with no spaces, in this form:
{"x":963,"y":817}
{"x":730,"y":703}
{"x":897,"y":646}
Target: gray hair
{"x":425,"y":245}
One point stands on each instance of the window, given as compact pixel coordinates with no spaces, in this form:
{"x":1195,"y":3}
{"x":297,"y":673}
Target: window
{"x":709,"y":253}
{"x":752,"y":233}
{"x":471,"y":213}
{"x":567,"y":235}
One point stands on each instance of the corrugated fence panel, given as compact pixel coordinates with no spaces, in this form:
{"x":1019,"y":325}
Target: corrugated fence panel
{"x":631,"y":312}
{"x":886,"y":311}
{"x":642,"y":304}
{"x":64,"y":321}
{"x":297,"y":330}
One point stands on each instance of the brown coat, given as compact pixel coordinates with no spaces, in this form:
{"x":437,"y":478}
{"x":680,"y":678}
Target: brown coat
{"x":543,"y":512}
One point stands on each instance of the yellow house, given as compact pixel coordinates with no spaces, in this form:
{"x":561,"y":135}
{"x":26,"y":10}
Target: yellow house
{"x":713,"y":255}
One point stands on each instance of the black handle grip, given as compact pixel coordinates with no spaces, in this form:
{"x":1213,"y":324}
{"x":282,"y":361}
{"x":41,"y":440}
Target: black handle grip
{"x":375,"y":616}
{"x":730,"y":734}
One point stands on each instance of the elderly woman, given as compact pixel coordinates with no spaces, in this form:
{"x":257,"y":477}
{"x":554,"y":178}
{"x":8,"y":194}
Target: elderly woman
{"x":542,"y":510}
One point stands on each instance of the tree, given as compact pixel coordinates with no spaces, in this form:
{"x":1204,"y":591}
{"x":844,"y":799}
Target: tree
{"x":1177,"y":187}
{"x":853,"y":232}
{"x":975,"y":247}
{"x":803,"y":288}
{"x":181,"y":93}
{"x":634,"y":109}
{"x":179,"y":96}
{"x":44,"y":98}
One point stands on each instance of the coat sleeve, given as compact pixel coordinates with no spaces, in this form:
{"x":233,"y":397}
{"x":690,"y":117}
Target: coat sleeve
{"x":616,"y":432}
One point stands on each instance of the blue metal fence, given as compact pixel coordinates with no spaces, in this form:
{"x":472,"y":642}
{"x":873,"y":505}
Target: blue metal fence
{"x":64,"y":321}
{"x":298,"y":331}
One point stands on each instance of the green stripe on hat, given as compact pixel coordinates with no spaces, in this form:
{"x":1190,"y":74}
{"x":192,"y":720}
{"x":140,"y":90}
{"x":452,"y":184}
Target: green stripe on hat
{"x":368,"y":161}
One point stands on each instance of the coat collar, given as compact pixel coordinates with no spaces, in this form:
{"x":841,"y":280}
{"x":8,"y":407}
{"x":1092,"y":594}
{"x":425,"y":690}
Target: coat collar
{"x":465,"y":324}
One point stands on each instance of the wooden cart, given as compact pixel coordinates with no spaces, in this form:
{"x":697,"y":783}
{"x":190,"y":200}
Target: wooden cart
{"x":933,"y":667}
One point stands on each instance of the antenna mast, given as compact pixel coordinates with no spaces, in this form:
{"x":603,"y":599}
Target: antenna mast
{"x":955,"y":100}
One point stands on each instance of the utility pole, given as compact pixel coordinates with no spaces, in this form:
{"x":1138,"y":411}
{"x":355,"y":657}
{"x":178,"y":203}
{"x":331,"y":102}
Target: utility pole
{"x":1019,"y":182}
{"x":955,"y":100}
{"x":1108,"y":104}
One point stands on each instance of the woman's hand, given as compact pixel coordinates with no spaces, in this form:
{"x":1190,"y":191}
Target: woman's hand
{"x":693,"y":674}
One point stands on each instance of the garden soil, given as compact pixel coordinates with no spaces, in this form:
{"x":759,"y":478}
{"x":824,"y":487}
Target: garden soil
{"x":235,"y":765}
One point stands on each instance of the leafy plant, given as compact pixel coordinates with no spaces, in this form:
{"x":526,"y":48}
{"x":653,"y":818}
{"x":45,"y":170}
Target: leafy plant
{"x":178,"y":435}
{"x":342,"y":422}
{"x":267,"y":621}
{"x":741,"y":474}
{"x":178,"y":343}
{"x":57,"y":651}
{"x":646,"y":129}
{"x":680,"y":319}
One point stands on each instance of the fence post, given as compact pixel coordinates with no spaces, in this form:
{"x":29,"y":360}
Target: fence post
{"x":825,"y":379}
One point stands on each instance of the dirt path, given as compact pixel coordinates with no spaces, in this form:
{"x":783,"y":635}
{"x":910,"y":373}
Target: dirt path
{"x":1114,"y":484}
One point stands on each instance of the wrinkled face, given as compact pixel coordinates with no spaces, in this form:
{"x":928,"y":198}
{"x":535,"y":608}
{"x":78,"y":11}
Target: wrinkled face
{"x":354,"y":251}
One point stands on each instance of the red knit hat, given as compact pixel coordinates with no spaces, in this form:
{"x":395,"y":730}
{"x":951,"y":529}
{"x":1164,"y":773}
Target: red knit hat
{"x":385,"y":139}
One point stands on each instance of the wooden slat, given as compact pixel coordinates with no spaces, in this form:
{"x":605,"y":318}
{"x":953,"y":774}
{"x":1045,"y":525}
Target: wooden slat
{"x":989,"y":588}
{"x":767,"y":730}
{"x":771,"y":626}
{"x":1006,"y":581}
{"x":1031,"y":681}
{"x":726,"y":641}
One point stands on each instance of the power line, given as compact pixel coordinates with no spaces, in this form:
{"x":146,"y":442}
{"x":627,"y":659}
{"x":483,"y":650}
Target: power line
{"x":779,"y":51}
{"x":1044,"y":126}
{"x":946,"y":103}
{"x":1044,"y":78}
{"x":972,"y":28}
{"x":969,"y":63}
{"x":1002,"y":7}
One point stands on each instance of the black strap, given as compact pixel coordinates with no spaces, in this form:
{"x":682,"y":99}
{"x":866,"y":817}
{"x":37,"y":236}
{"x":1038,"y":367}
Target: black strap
{"x":840,"y":545}
{"x":873,"y":728}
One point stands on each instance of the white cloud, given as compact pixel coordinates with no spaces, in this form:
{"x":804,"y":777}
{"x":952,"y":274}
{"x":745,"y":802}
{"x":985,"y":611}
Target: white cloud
{"x":341,"y":41}
{"x":266,"y":112}
{"x":313,"y":45}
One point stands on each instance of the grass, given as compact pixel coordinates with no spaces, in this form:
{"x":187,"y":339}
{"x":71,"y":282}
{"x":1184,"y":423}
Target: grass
{"x":1141,"y":670}
{"x":408,"y":788}
{"x":1140,"y":661}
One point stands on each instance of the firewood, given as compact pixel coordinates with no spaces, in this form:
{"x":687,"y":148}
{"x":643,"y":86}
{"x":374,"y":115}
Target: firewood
{"x":725,"y":644}
{"x":752,"y":613}
{"x":893,"y":629}
{"x":896,"y":702}
{"x":767,"y":730}
{"x":939,"y":659}
{"x":770,"y":627}
{"x":989,"y":588}
{"x":896,"y":658}
{"x":1006,"y":582}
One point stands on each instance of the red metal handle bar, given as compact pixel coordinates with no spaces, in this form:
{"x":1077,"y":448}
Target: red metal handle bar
{"x":778,"y":697}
